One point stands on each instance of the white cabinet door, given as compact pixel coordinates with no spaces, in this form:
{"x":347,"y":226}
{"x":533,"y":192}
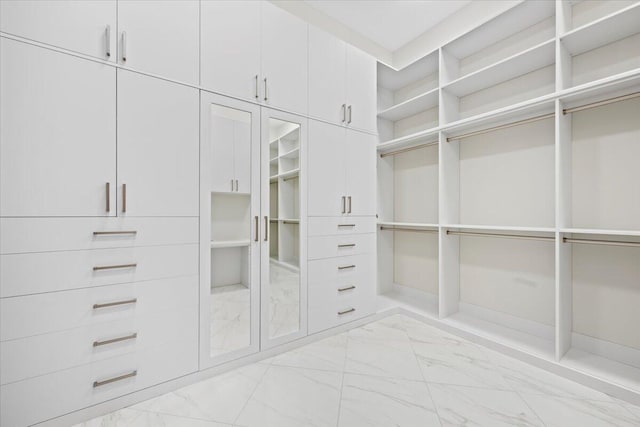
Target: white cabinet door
{"x":242,"y":156}
{"x":84,"y":26}
{"x":327,"y":69}
{"x":326,"y":163}
{"x":160,"y":37}
{"x":284,"y":60}
{"x":360,"y":165}
{"x":220,"y":148}
{"x":361,"y":89}
{"x":158,"y":147}
{"x":57,"y":133}
{"x":230,"y":38}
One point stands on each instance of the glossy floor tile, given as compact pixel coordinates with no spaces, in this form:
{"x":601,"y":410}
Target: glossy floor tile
{"x":394,"y":372}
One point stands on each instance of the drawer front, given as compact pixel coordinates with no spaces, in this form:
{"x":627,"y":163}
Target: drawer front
{"x":24,"y":274}
{"x":37,"y":399}
{"x":331,"y":226}
{"x":339,"y":269}
{"x":22,"y":235}
{"x":31,"y":315}
{"x":30,"y":357}
{"x":320,"y":247}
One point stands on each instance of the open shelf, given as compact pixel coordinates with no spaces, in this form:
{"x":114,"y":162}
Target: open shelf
{"x":215,"y":244}
{"x":411,"y":106}
{"x":409,"y":140}
{"x":419,"y":302}
{"x":608,"y":29}
{"x":417,"y":225}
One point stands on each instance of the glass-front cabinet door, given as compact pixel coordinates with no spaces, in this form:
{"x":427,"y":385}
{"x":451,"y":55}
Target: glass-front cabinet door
{"x":230,"y":233}
{"x":283,"y":206}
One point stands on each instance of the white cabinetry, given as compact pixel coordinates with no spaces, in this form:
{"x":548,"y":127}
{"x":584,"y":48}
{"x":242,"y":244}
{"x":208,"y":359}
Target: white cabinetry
{"x":87,"y":27}
{"x":58,"y":134}
{"x":157,"y":147}
{"x":160,"y":37}
{"x":361,"y":90}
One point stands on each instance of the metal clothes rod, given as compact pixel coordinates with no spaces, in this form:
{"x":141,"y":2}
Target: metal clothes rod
{"x":290,"y":178}
{"x":505,"y":126}
{"x":404,"y":150}
{"x":601,"y":242}
{"x":418,"y":230}
{"x":601,"y":103}
{"x":502,"y":236}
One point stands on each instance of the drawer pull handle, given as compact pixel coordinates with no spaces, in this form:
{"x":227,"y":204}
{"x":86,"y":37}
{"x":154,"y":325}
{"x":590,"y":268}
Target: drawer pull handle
{"x":114,"y":379}
{"x":346,"y":225}
{"x":115,"y":303}
{"x":113,"y":233}
{"x":351,"y":310}
{"x":348,"y":288}
{"x":350,"y":245}
{"x":115,"y":340}
{"x":345,"y":267}
{"x":113,"y":267}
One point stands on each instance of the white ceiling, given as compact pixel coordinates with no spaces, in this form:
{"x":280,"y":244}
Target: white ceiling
{"x":389,"y":23}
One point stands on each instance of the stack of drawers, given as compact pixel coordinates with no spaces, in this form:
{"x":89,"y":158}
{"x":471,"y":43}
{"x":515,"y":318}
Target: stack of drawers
{"x":341,"y":270}
{"x":93,"y":308}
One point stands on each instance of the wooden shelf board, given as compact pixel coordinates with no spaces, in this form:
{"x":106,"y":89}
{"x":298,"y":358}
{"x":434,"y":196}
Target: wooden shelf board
{"x":500,"y":228}
{"x":392,"y":79}
{"x":532,"y":59}
{"x":292,"y":154}
{"x":216,"y":244}
{"x":412,"y":106}
{"x":409,"y":140}
{"x":408,"y":224}
{"x":287,"y":174}
{"x":601,"y":32}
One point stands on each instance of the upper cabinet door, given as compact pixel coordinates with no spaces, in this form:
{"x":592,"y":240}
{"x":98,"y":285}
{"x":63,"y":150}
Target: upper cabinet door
{"x":230,"y":38}
{"x":327,"y":69}
{"x":87,"y":27}
{"x":360,"y":165}
{"x":160,"y":37}
{"x":242,"y":155}
{"x":284,"y":60}
{"x":361,"y":90}
{"x":220,"y":147}
{"x":57,"y":133}
{"x":326,"y":163}
{"x":158,"y":147}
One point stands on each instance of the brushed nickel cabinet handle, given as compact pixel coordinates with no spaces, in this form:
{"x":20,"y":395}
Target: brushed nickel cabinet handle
{"x":124,"y":46}
{"x":114,"y":379}
{"x":349,"y":199}
{"x":107,"y":190}
{"x":113,"y":233}
{"x":346,"y":225}
{"x":257,"y":96}
{"x":344,"y":207}
{"x":236,"y":185}
{"x":348,"y":288}
{"x":351,"y":310}
{"x":115,"y":303}
{"x":344,"y":113}
{"x":347,"y":245}
{"x":257,"y":229}
{"x":350,"y":110}
{"x":115,"y":340}
{"x":265,"y":89}
{"x":107,"y":39}
{"x":114,"y":267}
{"x":345,"y":267}
{"x":124,"y":198}
{"x":266,"y":228}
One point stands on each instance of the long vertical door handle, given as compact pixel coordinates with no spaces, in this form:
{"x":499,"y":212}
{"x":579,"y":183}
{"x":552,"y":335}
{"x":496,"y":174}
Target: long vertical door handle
{"x":107,"y":41}
{"x":344,"y":113}
{"x":350,"y":111}
{"x":266,"y":228}
{"x":236,"y":185}
{"x":265,"y":89}
{"x":124,"y":197}
{"x":349,"y":199}
{"x":344,"y":207}
{"x":107,"y":189}
{"x":257,"y":96}
{"x":257,"y":237}
{"x":124,"y":46}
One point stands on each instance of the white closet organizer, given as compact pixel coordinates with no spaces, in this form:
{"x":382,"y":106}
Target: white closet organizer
{"x":519,"y":208}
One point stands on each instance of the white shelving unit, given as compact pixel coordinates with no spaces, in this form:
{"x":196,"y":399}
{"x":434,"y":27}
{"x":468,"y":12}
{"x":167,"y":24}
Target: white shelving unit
{"x":523,"y":211}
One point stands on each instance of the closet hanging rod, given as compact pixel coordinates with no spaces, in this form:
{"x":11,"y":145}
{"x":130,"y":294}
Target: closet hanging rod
{"x":505,"y":126}
{"x":290,"y":178}
{"x":404,"y":150}
{"x":601,"y":242}
{"x":601,"y":103}
{"x":418,"y":230}
{"x":501,"y":236}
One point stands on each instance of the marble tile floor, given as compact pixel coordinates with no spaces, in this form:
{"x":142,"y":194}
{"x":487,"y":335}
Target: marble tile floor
{"x":393,"y":372}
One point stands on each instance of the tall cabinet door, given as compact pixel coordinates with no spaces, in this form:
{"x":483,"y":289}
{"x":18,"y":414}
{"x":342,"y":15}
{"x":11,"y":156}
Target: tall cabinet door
{"x":57,"y":133}
{"x":327,"y":68}
{"x":360,"y":166}
{"x":160,"y":37}
{"x":284,"y":59}
{"x":326,"y":163}
{"x":87,"y":26}
{"x":361,"y":90}
{"x":157,"y":147}
{"x":230,"y":55}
